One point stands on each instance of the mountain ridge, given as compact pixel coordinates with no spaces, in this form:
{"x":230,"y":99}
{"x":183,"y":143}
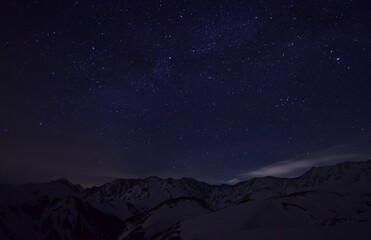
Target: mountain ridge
{"x":157,"y":208}
{"x":119,"y":188}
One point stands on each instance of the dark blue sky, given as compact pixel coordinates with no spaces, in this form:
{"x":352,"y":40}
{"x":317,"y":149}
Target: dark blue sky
{"x":95,"y":90}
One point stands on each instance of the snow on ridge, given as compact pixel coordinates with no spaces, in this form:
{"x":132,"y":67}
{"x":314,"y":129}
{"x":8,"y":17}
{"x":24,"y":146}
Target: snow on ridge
{"x":166,"y":208}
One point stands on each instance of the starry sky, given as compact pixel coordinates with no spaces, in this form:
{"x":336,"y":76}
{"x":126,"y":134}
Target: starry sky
{"x":216,"y":90}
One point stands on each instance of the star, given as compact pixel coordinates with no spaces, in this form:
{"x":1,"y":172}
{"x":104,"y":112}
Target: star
{"x":145,"y":84}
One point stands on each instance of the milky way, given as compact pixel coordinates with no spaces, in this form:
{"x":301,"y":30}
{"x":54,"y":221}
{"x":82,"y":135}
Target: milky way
{"x":95,"y":90}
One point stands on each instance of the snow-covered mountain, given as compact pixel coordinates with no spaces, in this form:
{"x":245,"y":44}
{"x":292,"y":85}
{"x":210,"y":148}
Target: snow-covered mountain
{"x":299,"y":210}
{"x":152,"y":223}
{"x":318,"y":202}
{"x":348,"y":176}
{"x":153,"y":190}
{"x":53,"y":210}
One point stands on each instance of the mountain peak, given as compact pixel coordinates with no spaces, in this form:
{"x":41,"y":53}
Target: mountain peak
{"x":66,"y":182}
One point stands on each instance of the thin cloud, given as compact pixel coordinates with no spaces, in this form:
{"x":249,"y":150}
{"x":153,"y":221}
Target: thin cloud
{"x":296,"y":167}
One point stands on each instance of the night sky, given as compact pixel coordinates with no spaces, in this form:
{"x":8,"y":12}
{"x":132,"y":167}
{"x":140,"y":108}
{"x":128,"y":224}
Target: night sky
{"x":216,"y":90}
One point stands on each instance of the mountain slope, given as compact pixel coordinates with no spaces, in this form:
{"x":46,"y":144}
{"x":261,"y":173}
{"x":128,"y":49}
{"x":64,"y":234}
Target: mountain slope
{"x":154,"y":208}
{"x":299,"y":210}
{"x":163,"y":216}
{"x":52,"y":211}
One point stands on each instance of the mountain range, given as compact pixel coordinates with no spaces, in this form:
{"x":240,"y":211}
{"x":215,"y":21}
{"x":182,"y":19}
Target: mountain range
{"x":325,"y":202}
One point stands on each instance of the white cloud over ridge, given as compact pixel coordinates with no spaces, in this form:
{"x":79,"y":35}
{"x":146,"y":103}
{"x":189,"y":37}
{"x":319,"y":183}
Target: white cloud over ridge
{"x":355,"y":151}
